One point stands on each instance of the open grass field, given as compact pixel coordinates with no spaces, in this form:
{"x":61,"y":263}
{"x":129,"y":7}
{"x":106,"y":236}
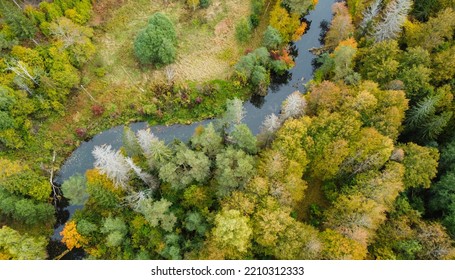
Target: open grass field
{"x":207,"y":46}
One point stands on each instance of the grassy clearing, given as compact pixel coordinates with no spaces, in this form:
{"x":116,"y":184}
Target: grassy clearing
{"x":207,"y":45}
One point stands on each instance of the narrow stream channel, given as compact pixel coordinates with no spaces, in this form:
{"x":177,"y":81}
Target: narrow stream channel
{"x":256,"y":109}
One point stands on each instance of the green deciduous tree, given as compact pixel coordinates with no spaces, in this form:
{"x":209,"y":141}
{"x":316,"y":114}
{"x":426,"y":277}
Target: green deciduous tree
{"x":116,"y":230}
{"x":272,"y":39}
{"x":416,"y":81}
{"x":28,"y":183}
{"x":62,"y":75}
{"x":243,"y":31}
{"x":24,"y":210}
{"x":185,"y":167}
{"x":158,"y":213}
{"x":76,"y":39}
{"x":379,"y":62}
{"x":197,"y":197}
{"x":343,"y":57}
{"x":253,"y":68}
{"x":243,"y":138}
{"x":17,"y":246}
{"x":299,"y":7}
{"x":21,"y":26}
{"x":75,"y":189}
{"x":208,"y":140}
{"x":195,"y":222}
{"x":233,"y":170}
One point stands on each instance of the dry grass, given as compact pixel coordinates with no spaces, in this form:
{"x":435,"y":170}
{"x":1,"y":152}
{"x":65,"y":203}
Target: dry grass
{"x":207,"y":45}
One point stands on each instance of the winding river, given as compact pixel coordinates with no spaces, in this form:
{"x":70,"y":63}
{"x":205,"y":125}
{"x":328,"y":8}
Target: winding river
{"x":256,"y":110}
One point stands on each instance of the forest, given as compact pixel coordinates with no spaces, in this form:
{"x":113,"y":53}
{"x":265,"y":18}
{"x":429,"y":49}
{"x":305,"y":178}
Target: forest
{"x":357,"y":163}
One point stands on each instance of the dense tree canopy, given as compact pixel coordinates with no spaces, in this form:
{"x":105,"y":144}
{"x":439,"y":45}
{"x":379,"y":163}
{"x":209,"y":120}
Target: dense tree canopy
{"x":359,"y":165}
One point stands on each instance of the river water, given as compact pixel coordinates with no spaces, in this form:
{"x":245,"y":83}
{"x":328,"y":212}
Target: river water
{"x":256,"y":110}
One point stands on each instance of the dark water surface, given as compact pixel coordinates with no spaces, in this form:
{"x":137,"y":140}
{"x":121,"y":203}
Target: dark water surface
{"x":256,"y":110}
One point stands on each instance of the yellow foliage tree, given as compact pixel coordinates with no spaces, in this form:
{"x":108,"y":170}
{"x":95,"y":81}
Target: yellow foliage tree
{"x":10,"y":168}
{"x":94,"y":177}
{"x":350,"y":42}
{"x":338,"y":247}
{"x":285,"y":23}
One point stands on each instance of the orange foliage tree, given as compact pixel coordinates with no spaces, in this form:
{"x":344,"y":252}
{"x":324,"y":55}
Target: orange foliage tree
{"x":71,"y":237}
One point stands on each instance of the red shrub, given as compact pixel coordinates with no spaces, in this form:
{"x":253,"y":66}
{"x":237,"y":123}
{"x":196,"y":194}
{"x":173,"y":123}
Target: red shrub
{"x":97,"y":110}
{"x":81,"y":133}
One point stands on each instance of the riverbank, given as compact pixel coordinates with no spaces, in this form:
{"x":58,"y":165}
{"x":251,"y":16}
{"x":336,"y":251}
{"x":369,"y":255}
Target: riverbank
{"x":256,"y":110}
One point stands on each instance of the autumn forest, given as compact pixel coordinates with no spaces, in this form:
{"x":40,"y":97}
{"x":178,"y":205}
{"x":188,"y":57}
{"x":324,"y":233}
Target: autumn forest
{"x":355,"y":162}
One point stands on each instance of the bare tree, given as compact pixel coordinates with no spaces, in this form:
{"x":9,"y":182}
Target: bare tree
{"x":69,"y":32}
{"x":151,"y":181}
{"x":234,"y":112}
{"x":293,"y":106}
{"x":370,"y":13}
{"x":393,"y":19}
{"x":136,"y":199}
{"x":113,"y":164}
{"x":270,"y":124}
{"x":154,"y":149}
{"x":170,"y":74}
{"x":20,"y":69}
